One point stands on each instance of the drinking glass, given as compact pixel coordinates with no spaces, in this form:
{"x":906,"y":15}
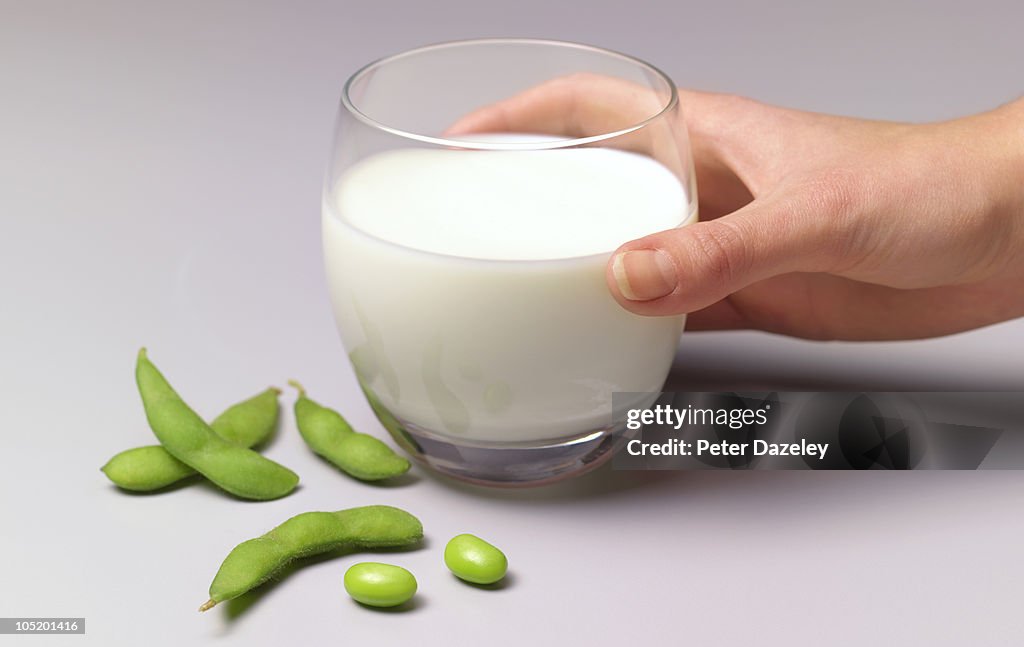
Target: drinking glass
{"x":474,"y":195}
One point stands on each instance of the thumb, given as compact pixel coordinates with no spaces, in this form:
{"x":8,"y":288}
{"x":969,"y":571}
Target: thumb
{"x":689,"y":268}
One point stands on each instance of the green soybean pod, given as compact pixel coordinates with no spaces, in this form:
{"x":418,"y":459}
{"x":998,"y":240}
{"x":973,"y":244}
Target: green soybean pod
{"x":250,"y":422}
{"x":329,"y":435}
{"x":474,"y":560}
{"x":145,"y":469}
{"x":183,"y":433}
{"x":253,"y":562}
{"x":380,"y":585}
{"x":149,"y":468}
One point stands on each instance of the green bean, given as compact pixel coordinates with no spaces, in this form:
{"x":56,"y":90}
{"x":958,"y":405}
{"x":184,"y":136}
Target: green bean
{"x":144,"y":469}
{"x":185,"y":436}
{"x":253,"y":562}
{"x":380,"y":585}
{"x":329,"y":435}
{"x":474,"y":560}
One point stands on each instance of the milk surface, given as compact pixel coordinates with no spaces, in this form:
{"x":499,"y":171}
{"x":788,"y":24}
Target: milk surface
{"x":469,"y":287}
{"x":511,"y":205}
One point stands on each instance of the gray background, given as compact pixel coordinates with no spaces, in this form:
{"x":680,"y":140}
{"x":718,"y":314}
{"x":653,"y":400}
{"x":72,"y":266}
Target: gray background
{"x":160,"y":172}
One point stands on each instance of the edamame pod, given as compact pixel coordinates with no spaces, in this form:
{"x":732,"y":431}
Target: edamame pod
{"x":253,"y":562}
{"x":144,"y":469}
{"x":185,"y":436}
{"x":329,"y":435}
{"x":249,"y":422}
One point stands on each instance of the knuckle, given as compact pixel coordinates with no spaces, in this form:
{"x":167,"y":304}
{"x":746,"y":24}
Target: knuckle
{"x":580,"y":78}
{"x":834,"y":191}
{"x":834,"y":202}
{"x":718,"y":251}
{"x":573,"y":83}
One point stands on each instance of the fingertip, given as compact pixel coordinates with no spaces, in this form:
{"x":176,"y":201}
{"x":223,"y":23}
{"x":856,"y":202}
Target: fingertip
{"x":483,"y":119}
{"x":463,"y":126}
{"x":666,"y":273}
{"x":643,"y":274}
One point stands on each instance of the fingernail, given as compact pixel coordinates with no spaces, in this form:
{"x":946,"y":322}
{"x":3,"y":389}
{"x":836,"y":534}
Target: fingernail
{"x":644,"y":274}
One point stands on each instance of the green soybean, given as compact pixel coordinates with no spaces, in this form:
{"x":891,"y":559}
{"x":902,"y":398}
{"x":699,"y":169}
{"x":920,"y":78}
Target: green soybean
{"x":144,"y":469}
{"x":249,"y":422}
{"x":474,"y":560}
{"x":185,"y":436}
{"x":380,"y":585}
{"x":255,"y":561}
{"x":329,"y":435}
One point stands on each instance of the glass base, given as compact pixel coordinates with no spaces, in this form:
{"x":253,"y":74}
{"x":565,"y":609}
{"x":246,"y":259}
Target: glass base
{"x":499,"y":464}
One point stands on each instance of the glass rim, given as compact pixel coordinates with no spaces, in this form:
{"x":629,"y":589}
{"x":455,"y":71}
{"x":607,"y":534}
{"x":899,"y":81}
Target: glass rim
{"x":347,"y":103}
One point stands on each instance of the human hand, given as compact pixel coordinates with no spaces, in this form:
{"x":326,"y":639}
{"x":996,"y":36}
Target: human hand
{"x":815,"y":226}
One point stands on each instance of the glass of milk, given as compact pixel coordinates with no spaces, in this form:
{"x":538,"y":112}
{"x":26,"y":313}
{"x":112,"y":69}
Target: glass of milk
{"x":475,"y":193}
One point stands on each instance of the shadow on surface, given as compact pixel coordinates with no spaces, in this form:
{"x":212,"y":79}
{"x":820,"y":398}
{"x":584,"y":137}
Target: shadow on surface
{"x":710,"y":361}
{"x":803,"y":497}
{"x":601,"y":481}
{"x":506,"y":582}
{"x":417,"y":603}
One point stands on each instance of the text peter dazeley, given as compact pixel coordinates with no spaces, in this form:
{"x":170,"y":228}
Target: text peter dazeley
{"x":679,"y":447}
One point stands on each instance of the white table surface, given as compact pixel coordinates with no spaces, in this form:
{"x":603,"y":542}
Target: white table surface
{"x":160,"y":169}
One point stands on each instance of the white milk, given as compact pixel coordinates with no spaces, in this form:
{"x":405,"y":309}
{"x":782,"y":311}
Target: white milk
{"x":469,"y":287}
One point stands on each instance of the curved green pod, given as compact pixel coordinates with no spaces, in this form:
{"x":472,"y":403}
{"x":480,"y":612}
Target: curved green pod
{"x":253,"y":562}
{"x":250,"y":422}
{"x":329,"y":435}
{"x":188,"y":438}
{"x":145,"y":469}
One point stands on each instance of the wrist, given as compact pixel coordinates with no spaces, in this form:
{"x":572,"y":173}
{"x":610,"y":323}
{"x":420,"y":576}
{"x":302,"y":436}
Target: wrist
{"x":993,"y":145}
{"x":1003,"y":140}
{"x":978,"y":168}
{"x":1008,"y":177}
{"x":1008,"y":124}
